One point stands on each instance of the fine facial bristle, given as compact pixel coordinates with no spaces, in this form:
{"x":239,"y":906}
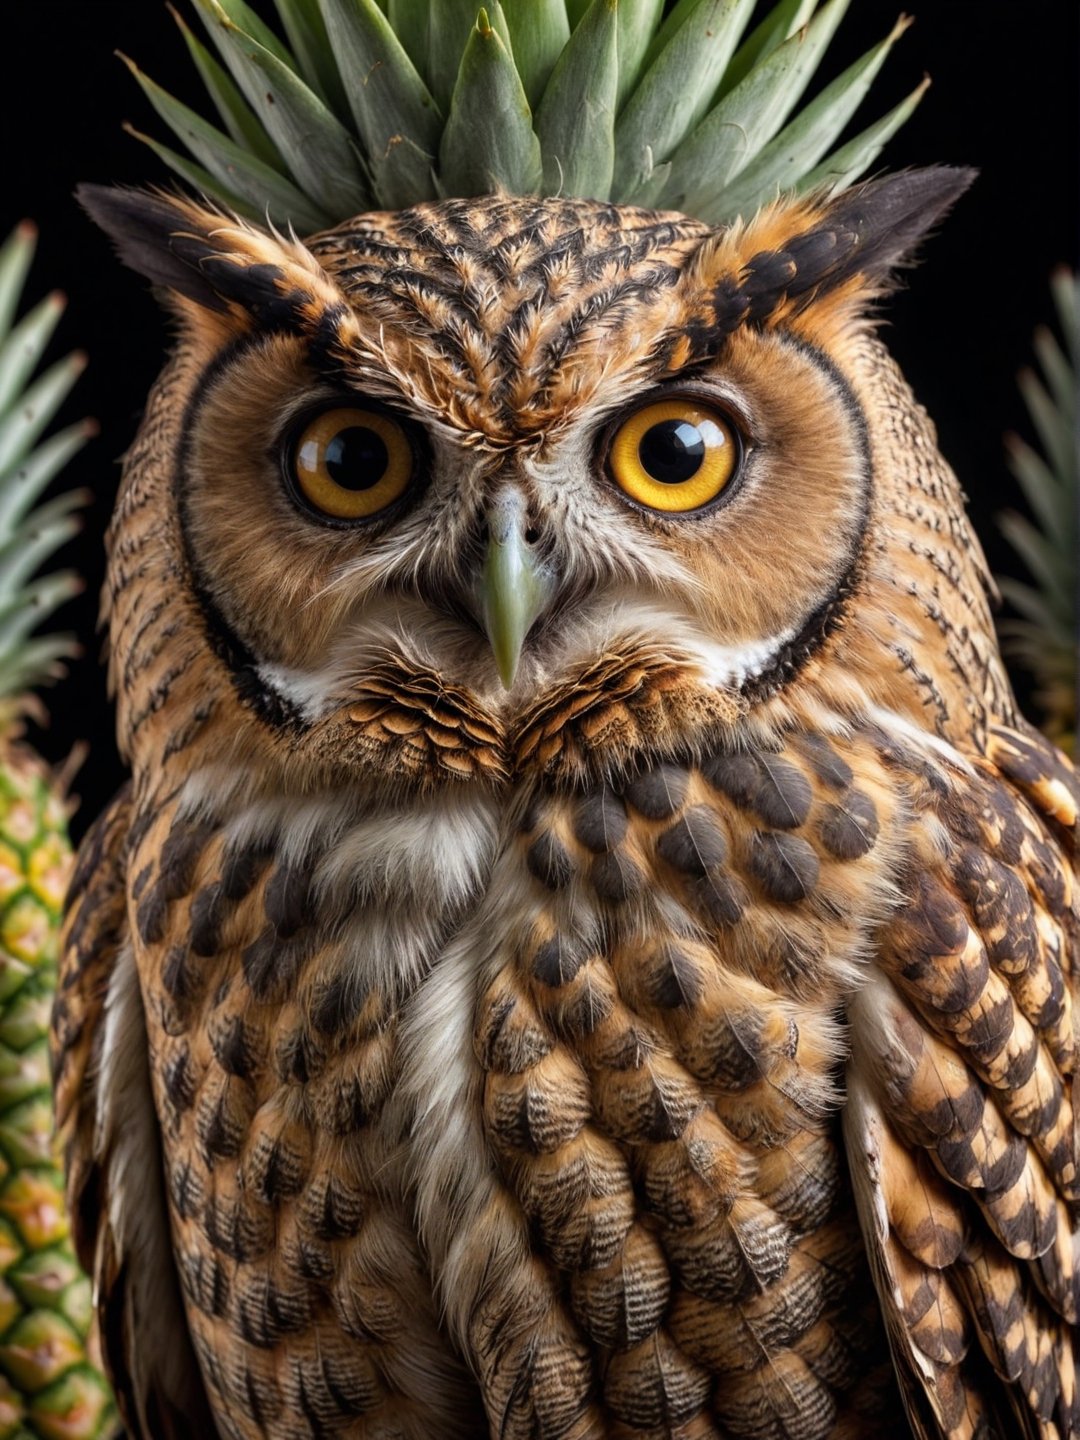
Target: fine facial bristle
{"x":357,"y":105}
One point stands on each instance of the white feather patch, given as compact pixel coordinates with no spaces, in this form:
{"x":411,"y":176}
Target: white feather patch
{"x":127,"y":1145}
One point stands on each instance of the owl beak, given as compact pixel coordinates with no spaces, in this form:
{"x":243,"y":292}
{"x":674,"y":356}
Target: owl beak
{"x":513,"y":589}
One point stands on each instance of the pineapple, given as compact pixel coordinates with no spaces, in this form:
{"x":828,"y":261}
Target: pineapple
{"x":50,"y":1387}
{"x":353,"y":105}
{"x":1044,"y":641}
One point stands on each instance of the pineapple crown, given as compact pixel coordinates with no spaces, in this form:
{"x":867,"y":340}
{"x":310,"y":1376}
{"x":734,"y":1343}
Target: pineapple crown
{"x":30,"y":532}
{"x":380,"y":104}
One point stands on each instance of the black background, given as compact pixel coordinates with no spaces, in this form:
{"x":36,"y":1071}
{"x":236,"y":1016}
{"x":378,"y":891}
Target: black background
{"x":1004,"y":98}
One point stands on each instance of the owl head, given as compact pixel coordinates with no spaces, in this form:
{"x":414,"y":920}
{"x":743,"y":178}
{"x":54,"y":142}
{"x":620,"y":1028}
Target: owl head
{"x":489,"y":486}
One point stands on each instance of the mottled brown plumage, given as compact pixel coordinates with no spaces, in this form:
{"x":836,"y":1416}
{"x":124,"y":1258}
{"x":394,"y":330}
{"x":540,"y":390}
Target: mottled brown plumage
{"x":678,"y":1043}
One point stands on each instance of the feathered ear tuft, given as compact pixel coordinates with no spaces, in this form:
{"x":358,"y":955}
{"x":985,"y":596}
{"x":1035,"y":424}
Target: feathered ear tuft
{"x":813,"y":261}
{"x":214,"y":260}
{"x":886,"y":219}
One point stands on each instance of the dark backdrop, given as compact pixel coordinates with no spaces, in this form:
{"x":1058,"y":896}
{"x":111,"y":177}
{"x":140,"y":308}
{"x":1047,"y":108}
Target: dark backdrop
{"x":1004,"y":98}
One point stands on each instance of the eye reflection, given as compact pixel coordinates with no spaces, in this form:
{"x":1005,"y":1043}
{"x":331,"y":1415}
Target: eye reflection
{"x":351,"y":463}
{"x":675,"y":455}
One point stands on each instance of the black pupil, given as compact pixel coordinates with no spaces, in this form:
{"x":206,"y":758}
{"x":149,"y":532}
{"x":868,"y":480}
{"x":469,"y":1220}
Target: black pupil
{"x":356,"y":458}
{"x":672,"y":451}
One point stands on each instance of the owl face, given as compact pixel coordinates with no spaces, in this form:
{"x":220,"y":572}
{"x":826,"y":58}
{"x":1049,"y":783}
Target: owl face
{"x":539,"y":460}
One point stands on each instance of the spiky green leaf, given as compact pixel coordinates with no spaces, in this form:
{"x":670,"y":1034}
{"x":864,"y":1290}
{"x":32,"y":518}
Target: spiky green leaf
{"x":305,"y":31}
{"x":1066,"y":293}
{"x":539,"y":29}
{"x":21,"y":426}
{"x":844,"y":166}
{"x":1056,"y":429}
{"x":15,"y":258}
{"x":43,"y":533}
{"x":235,"y":113}
{"x":1059,"y":376}
{"x":782,"y":21}
{"x":733,"y":133}
{"x":476,"y":156}
{"x":676,"y":90}
{"x":576,"y":122}
{"x":201,"y":180}
{"x":1050,"y":501}
{"x":638,"y":20}
{"x":803,"y":141}
{"x":22,"y":487}
{"x":248,"y":182}
{"x":391,"y":105}
{"x":29,"y":536}
{"x":296,"y":119}
{"x":697,"y":102}
{"x":1054,"y":570}
{"x":24,"y":347}
{"x":249,"y":22}
{"x":450,"y":28}
{"x":1045,"y":640}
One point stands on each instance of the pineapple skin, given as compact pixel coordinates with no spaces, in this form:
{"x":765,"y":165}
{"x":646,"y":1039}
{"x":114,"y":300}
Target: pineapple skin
{"x":51,"y":1387}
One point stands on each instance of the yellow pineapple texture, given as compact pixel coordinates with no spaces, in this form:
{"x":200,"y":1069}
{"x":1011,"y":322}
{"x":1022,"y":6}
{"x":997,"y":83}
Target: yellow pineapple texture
{"x":51,"y":1387}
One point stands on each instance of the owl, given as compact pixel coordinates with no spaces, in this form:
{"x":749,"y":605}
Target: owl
{"x":588,"y":947}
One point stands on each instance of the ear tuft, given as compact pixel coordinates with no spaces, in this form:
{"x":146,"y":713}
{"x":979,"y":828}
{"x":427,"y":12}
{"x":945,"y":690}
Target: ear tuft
{"x":223,"y":264}
{"x":162,"y":237}
{"x":887,"y":218}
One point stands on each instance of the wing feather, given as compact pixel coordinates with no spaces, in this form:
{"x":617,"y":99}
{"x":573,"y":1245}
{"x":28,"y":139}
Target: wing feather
{"x":107,"y":1123}
{"x":961,"y":1123}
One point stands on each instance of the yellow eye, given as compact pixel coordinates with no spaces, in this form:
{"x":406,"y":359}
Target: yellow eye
{"x":675,"y":455}
{"x":352,"y":463}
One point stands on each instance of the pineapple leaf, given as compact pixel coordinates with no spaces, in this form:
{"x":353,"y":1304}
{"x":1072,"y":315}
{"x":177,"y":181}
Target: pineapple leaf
{"x":451,"y":25}
{"x":638,"y":20}
{"x":390,"y":104}
{"x":305,"y":29}
{"x":801,"y":144}
{"x":35,"y":662}
{"x":676,"y":89}
{"x":1048,"y":500}
{"x":539,"y":30}
{"x":411,"y":22}
{"x":21,"y":488}
{"x":384,"y":103}
{"x":782,"y":21}
{"x":15,"y":258}
{"x":1045,"y":640}
{"x":206,"y":184}
{"x":1066,"y":295}
{"x":43,"y":533}
{"x":296,"y":119}
{"x":234,"y":111}
{"x":576,"y":122}
{"x":750,"y":115}
{"x":34,"y":603}
{"x":257,"y":186}
{"x":1030,"y":602}
{"x":1052,"y":569}
{"x":476,"y":156}
{"x":245,"y":19}
{"x":844,"y":166}
{"x":1059,"y":376}
{"x":1054,"y":427}
{"x":24,"y":347}
{"x":21,"y":426}
{"x":27,"y":540}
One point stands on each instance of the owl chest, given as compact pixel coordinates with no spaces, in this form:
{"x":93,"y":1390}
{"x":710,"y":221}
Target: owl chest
{"x":599,"y":1002}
